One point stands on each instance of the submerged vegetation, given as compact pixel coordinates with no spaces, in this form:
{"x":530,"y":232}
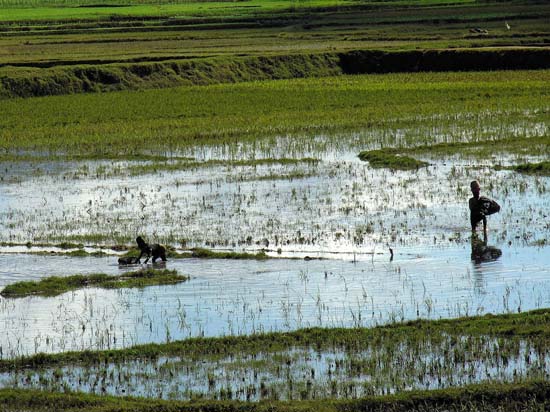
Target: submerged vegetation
{"x":527,"y":325}
{"x":171,"y":166}
{"x":542,"y":168}
{"x":54,"y":285}
{"x":526,"y":397}
{"x":306,"y":364}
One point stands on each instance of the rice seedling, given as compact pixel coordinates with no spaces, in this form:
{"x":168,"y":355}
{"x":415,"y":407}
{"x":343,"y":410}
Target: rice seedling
{"x":306,"y":364}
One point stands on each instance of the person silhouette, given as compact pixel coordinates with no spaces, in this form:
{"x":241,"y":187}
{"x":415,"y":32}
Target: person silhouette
{"x":156,"y":250}
{"x":481,"y":252}
{"x":480,"y":207}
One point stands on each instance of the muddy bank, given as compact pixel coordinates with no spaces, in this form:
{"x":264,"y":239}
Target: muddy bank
{"x":66,"y":79}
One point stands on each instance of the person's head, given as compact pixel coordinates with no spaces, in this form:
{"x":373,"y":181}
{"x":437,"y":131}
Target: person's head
{"x":141,"y":243}
{"x":475,"y":188}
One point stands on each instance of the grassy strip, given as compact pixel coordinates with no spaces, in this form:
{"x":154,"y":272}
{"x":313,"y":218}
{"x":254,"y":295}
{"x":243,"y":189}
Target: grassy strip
{"x":66,"y":245}
{"x":54,"y":285}
{"x":72,"y":253}
{"x":81,"y":10}
{"x":211,"y":254}
{"x":528,"y":396}
{"x":27,"y":82}
{"x":480,"y":148}
{"x":529,"y":324}
{"x":384,"y":159}
{"x":542,"y":168}
{"x":483,"y":148}
{"x":201,"y":253}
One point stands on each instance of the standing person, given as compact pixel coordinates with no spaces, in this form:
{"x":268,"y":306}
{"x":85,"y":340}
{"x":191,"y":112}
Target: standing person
{"x":480,"y":207}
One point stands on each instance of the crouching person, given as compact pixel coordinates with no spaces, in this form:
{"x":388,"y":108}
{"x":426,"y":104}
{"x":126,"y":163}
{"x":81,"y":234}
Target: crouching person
{"x":155,"y":250}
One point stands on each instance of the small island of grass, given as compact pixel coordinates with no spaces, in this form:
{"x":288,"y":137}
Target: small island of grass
{"x":391,"y":160}
{"x":55,"y":285}
{"x":212,"y":254}
{"x":542,"y":168}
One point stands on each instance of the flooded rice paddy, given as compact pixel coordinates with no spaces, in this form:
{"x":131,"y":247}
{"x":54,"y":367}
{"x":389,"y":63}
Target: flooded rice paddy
{"x":328,"y":226}
{"x":305,"y":373}
{"x":337,"y":209}
{"x":230,"y":297}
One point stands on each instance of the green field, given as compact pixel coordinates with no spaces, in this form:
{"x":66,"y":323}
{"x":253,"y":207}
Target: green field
{"x":45,"y":45}
{"x":157,"y":122}
{"x":17,"y":10}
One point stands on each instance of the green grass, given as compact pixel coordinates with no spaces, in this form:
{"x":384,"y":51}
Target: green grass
{"x":525,"y":397}
{"x":426,"y":351}
{"x":203,"y":253}
{"x":112,"y":76}
{"x":63,"y":10}
{"x":71,"y":253}
{"x":211,"y":254}
{"x":18,"y":10}
{"x":159,"y":122}
{"x":542,"y":168}
{"x":385,"y":159}
{"x":59,"y":49}
{"x":528,"y":325}
{"x":538,"y":145}
{"x":54,"y":285}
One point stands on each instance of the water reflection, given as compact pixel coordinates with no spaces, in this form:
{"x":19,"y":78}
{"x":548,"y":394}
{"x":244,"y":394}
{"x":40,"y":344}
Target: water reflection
{"x":481,"y":252}
{"x":227,"y":297}
{"x":483,"y":257}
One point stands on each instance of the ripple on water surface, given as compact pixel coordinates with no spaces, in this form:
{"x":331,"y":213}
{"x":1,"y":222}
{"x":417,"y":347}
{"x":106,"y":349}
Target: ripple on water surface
{"x":227,"y":297}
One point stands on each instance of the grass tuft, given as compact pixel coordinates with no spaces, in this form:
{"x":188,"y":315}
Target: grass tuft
{"x":542,"y":168}
{"x":55,"y":285}
{"x":389,"y":159}
{"x":211,"y":254}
